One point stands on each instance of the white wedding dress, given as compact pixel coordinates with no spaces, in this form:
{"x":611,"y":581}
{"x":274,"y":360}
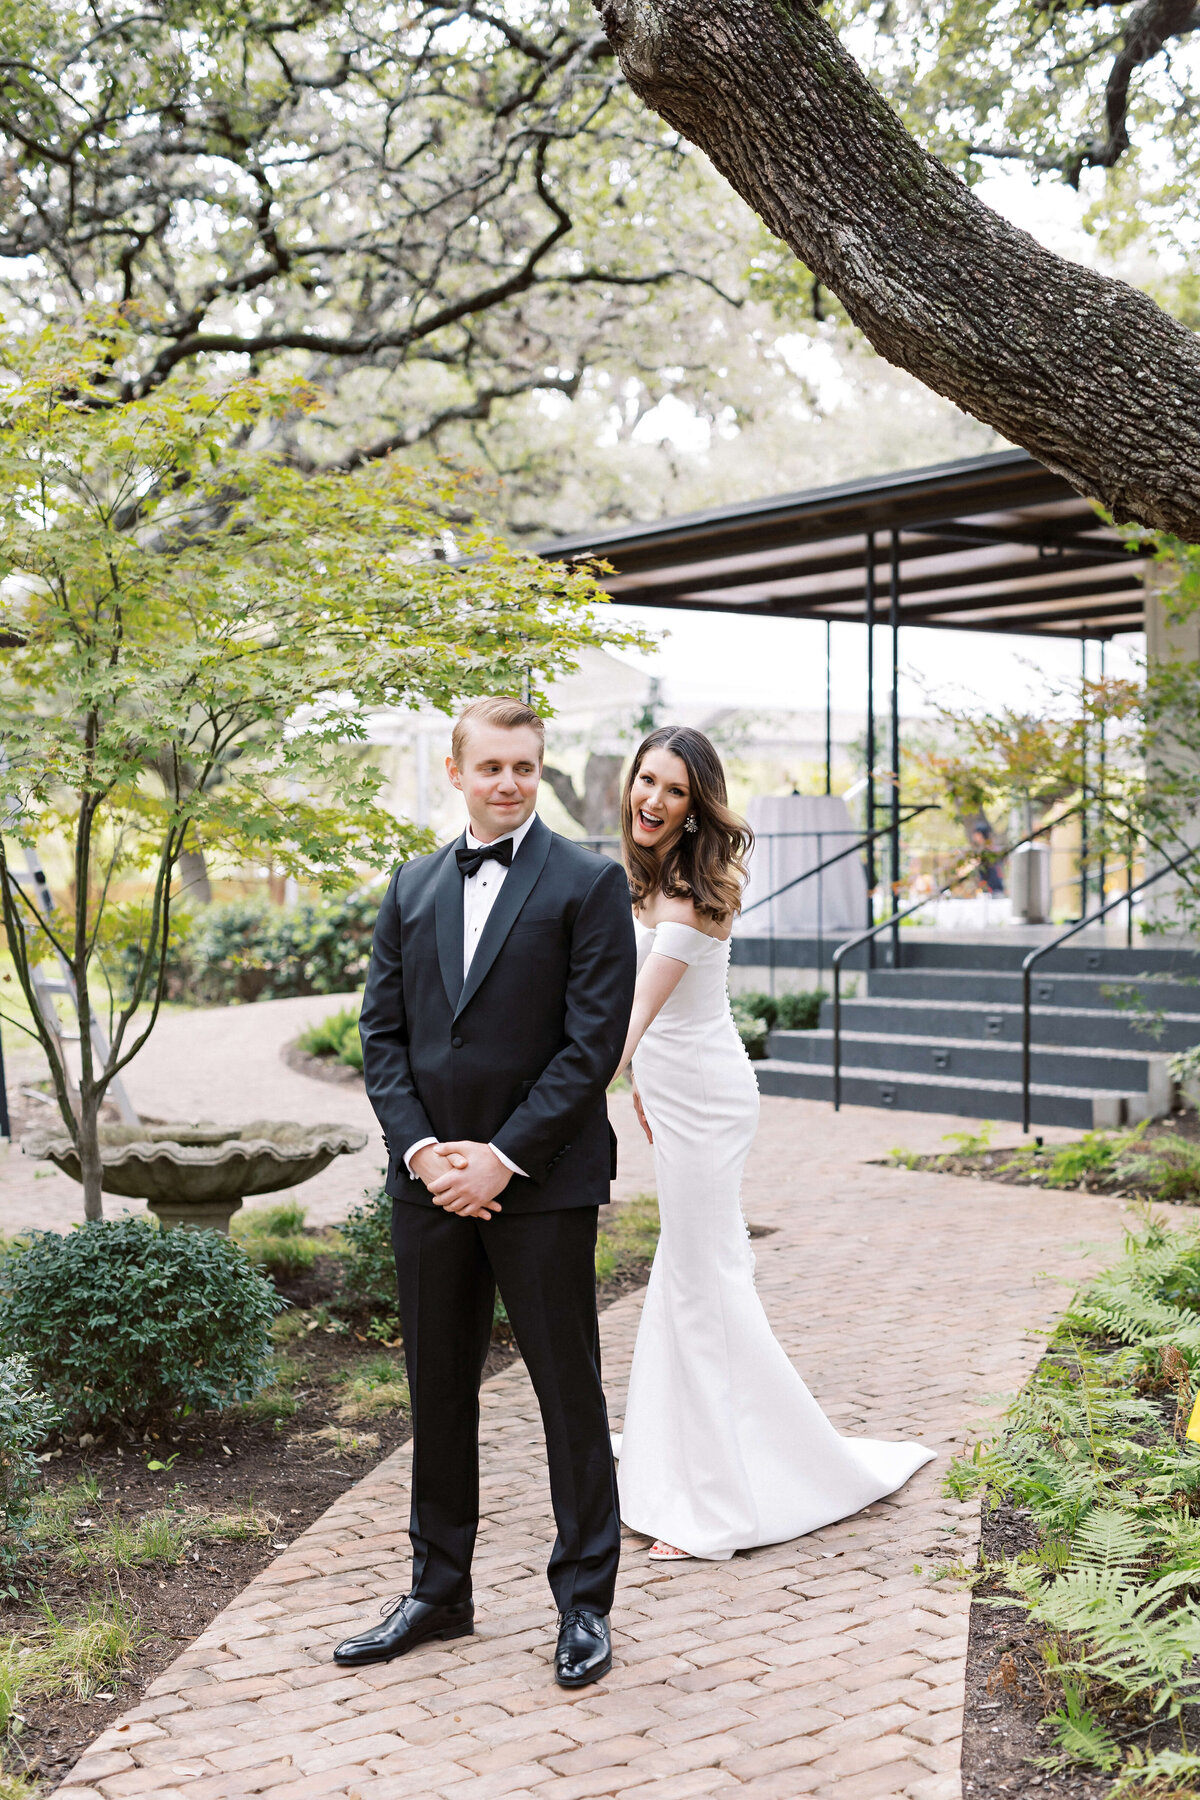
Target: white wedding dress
{"x":724,"y":1447}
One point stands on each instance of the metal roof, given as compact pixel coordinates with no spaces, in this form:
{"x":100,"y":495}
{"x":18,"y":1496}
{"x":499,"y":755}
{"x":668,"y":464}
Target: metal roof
{"x":994,"y":543}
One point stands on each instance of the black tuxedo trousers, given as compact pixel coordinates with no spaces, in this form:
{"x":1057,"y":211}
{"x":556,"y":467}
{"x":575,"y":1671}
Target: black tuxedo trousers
{"x":543,"y":1264}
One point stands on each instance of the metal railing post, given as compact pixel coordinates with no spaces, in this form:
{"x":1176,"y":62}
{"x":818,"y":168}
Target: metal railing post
{"x":837,"y":1028}
{"x":894,"y":856}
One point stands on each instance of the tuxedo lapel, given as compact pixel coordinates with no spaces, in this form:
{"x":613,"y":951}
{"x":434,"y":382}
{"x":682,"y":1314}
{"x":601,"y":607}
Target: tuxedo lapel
{"x":518,"y":884}
{"x":448,"y":917}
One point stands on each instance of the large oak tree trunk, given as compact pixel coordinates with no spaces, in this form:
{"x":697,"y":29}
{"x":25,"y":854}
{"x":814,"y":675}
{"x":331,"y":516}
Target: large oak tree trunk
{"x":1088,"y":374}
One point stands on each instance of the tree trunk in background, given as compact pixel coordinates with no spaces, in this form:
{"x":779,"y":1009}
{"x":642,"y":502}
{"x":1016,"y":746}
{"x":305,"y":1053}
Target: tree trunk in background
{"x":193,"y":877}
{"x":598,"y":808}
{"x":1086,"y":373}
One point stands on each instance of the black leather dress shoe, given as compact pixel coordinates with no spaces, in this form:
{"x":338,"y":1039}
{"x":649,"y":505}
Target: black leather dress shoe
{"x":406,"y":1623}
{"x":584,"y":1648}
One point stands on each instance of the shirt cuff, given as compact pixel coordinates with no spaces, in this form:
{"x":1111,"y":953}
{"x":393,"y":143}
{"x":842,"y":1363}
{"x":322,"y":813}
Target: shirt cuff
{"x":512,"y":1167}
{"x":421,"y":1144}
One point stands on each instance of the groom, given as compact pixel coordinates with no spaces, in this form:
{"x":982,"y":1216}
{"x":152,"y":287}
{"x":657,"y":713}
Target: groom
{"x":498,"y":998}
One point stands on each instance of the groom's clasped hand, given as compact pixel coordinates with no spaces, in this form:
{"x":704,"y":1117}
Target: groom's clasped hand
{"x":462,"y":1177}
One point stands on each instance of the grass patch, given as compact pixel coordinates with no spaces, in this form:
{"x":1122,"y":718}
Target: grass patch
{"x":1095,"y":1451}
{"x":160,"y":1537}
{"x":279,"y":1399}
{"x":60,"y":1514}
{"x":627,"y":1237}
{"x":18,"y":1787}
{"x":73,"y":1657}
{"x":372,"y":1388}
{"x":239,"y":1527}
{"x":275,"y":1240}
{"x":344,"y":1440}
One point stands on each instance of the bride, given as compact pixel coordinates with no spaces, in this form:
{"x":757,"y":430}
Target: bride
{"x":724,"y":1448}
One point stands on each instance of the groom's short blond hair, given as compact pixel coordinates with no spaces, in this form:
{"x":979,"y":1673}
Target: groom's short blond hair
{"x":496,"y":709}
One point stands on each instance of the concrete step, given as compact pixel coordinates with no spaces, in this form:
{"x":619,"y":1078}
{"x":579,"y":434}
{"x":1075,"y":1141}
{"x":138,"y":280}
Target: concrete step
{"x":1050,"y":1105}
{"x":986,"y":988}
{"x":1079,"y":957}
{"x":996,"y":952}
{"x":975,"y":1059}
{"x":1000,"y":1021}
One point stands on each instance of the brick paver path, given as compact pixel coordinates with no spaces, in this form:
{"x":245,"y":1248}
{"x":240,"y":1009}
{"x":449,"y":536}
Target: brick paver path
{"x":830,"y":1666}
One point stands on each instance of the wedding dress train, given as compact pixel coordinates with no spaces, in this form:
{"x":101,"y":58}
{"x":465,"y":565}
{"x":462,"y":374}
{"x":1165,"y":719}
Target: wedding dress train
{"x":724,"y":1448}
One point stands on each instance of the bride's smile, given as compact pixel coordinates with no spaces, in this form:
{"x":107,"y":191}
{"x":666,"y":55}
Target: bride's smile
{"x":659,"y":799}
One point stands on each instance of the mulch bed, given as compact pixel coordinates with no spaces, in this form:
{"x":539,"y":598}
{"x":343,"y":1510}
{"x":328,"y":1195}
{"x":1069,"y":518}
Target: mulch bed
{"x":322,"y":1068}
{"x":1006,"y":1697}
{"x":1001,"y":1165}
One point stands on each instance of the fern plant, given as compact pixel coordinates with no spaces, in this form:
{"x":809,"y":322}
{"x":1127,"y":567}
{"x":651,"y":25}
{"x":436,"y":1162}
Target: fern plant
{"x":1091,"y":1450}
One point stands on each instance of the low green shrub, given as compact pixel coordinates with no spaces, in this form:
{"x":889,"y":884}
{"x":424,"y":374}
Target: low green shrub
{"x":1169,"y":1168}
{"x":1092,"y":1154}
{"x":335,"y":1036}
{"x":124,"y":1323}
{"x":752,"y":1027}
{"x":756,"y":1014}
{"x":27,"y":1416}
{"x":368,"y":1265}
{"x":242,"y":950}
{"x":799,"y":1011}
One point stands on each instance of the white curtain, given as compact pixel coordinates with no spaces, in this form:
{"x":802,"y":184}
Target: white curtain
{"x":793,"y":833}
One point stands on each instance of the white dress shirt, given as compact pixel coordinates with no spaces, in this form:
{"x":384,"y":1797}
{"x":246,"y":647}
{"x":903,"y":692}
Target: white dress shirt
{"x":479,"y":897}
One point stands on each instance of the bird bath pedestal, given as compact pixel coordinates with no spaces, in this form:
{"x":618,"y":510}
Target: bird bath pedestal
{"x":198,"y":1175}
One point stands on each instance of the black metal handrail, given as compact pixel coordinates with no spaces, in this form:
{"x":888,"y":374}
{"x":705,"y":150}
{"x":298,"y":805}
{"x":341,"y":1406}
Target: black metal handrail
{"x":894,"y":921}
{"x":1174,"y":864}
{"x":859,"y":843}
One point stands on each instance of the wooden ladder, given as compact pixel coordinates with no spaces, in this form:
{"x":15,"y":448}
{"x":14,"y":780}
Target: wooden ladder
{"x":48,"y":991}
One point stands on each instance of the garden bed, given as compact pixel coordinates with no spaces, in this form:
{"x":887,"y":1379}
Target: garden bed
{"x":1085,"y":1629}
{"x":155,"y":1534}
{"x":1158,"y":1161}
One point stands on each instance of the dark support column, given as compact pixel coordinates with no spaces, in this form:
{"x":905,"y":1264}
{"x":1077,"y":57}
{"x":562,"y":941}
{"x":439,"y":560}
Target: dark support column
{"x":828,"y":707}
{"x":894,"y":621}
{"x":870,"y":797}
{"x":5,"y":1126}
{"x":1083,"y":775}
{"x":1103,"y":824}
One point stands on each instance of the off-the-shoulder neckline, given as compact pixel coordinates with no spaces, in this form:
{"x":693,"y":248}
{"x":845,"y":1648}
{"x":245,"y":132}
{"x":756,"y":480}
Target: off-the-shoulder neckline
{"x":682,"y":926}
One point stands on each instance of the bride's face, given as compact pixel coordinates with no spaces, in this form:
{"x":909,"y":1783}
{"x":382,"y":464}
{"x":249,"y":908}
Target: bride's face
{"x":659,"y":800}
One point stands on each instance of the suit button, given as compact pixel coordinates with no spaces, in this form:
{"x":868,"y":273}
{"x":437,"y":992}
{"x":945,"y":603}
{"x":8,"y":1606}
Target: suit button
{"x":456,"y":1043}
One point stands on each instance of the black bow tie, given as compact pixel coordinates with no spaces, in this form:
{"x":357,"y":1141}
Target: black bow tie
{"x":471,"y":861}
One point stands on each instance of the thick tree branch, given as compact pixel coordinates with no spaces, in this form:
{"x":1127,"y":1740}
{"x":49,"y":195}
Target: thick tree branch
{"x":1086,"y":373}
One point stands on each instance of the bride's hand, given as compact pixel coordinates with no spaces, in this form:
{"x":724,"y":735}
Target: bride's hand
{"x":637,"y":1107}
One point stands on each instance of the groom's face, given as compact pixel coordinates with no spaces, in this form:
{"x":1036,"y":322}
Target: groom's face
{"x":498,"y":778}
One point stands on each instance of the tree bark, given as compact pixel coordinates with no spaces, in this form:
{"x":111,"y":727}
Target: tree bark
{"x":1085,"y":372}
{"x":91,"y":1167}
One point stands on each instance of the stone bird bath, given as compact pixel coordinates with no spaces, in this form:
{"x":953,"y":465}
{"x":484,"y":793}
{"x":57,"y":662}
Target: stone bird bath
{"x":198,"y":1175}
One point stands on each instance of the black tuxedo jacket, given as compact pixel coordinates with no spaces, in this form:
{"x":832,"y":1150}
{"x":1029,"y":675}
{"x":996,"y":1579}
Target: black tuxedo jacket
{"x":520,"y":1054}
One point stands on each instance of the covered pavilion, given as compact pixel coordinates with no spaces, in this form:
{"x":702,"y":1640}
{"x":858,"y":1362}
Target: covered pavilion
{"x":994,"y":543}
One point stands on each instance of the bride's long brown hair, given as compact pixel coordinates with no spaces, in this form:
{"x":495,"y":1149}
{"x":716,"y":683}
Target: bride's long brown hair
{"x":706,"y":866}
